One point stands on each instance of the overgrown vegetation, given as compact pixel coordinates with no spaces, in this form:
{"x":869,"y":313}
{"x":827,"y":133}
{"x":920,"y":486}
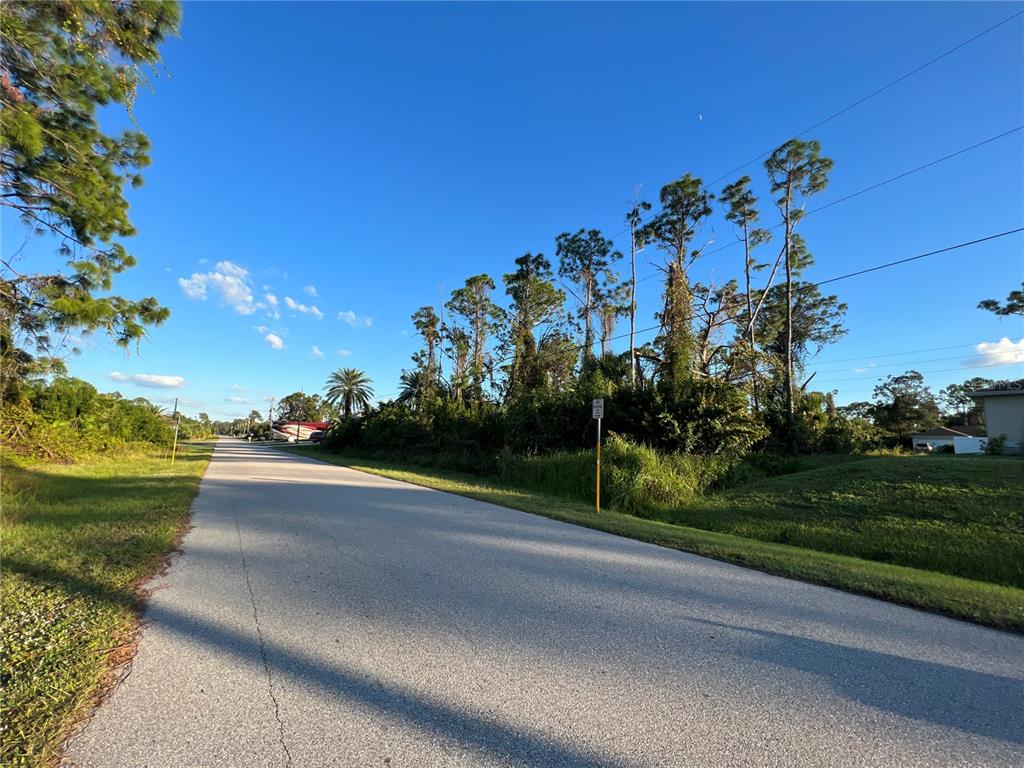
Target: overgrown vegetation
{"x":910,"y":529}
{"x":65,"y":419}
{"x":77,"y":541}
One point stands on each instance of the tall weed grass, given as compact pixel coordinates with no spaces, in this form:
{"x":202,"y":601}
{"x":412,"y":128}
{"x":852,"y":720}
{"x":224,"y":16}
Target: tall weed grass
{"x":636,"y":479}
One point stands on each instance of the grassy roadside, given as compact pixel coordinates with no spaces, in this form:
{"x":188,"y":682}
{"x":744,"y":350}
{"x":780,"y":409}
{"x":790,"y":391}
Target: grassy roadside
{"x":77,"y":541}
{"x":993,"y":605}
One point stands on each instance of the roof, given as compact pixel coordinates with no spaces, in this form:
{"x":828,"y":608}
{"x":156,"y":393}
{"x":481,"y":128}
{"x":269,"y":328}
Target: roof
{"x":957,"y":431}
{"x":1015,"y":387}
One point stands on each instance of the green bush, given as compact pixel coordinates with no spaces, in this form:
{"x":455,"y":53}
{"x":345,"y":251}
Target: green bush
{"x":66,"y":419}
{"x":995,"y":445}
{"x":642,"y":481}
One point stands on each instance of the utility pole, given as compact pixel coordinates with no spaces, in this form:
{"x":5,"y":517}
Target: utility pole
{"x":270,"y":419}
{"x":177,"y":421}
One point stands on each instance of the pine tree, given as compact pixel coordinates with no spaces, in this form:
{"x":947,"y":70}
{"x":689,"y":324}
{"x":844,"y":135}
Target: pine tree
{"x":62,"y":174}
{"x":741,"y":210}
{"x":796,"y":170}
{"x":685,"y":205}
{"x":586,"y":258}
{"x":474,"y":305}
{"x":535,"y":302}
{"x":633,"y":219}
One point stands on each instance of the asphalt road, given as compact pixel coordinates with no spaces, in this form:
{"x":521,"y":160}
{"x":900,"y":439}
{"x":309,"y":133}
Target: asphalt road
{"x":324,"y":617}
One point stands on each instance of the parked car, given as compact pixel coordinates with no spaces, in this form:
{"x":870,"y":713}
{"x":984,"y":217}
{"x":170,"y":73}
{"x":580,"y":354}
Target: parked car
{"x":317,"y":436}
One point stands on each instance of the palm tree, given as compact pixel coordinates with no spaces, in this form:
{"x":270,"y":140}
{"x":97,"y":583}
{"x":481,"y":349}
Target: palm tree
{"x":414,"y":388}
{"x":349,"y":390}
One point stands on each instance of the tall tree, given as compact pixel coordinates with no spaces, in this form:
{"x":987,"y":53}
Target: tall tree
{"x":1014,"y":304}
{"x":741,"y":211}
{"x":427,"y":323}
{"x":685,"y":206}
{"x":960,"y":405}
{"x":634,"y":218}
{"x":614,"y":304}
{"x":474,"y":305}
{"x":904,"y":405}
{"x":715,"y":308}
{"x":457,"y":349}
{"x":585,"y":258}
{"x":535,"y":302}
{"x":801,"y":329}
{"x":349,"y":391}
{"x":61,"y":61}
{"x":796,"y":170}
{"x":299,"y":406}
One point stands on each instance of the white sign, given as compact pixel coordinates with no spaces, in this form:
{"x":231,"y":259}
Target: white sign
{"x":599,"y":408}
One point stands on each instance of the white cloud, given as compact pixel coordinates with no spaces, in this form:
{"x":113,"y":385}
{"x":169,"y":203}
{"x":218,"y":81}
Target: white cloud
{"x":306,"y":310}
{"x":317,"y":351}
{"x":203,"y":261}
{"x":153,"y":380}
{"x":237,"y":388}
{"x":237,"y":400}
{"x":352,"y":318}
{"x":271,"y":299}
{"x":345,"y":352}
{"x":1002,"y":352}
{"x":261,"y":329}
{"x":275,"y":315}
{"x":275,"y":341}
{"x":311,"y":290}
{"x":228,"y":280}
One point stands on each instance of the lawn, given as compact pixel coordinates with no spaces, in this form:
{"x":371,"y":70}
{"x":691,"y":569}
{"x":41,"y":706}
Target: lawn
{"x":77,"y":540}
{"x":962,"y":516}
{"x":943,"y":534}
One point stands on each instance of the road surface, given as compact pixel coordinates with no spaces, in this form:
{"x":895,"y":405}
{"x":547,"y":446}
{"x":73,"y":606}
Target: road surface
{"x":325,"y":617}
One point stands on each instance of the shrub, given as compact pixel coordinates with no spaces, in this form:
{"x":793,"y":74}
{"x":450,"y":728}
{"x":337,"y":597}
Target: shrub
{"x":66,"y":419}
{"x":642,"y":481}
{"x":995,"y":445}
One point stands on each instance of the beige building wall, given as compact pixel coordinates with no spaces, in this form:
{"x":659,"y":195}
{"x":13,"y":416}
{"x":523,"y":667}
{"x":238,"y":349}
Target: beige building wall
{"x":1004,"y":415}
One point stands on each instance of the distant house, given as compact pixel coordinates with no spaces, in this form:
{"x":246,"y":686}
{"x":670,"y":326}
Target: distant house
{"x":934,"y":439}
{"x":1004,"y":412}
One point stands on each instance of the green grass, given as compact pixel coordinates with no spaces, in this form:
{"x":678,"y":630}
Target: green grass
{"x":77,"y":540}
{"x":962,"y":516}
{"x":960,"y":513}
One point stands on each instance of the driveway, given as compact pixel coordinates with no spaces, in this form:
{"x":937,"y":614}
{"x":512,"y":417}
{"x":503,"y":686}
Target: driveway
{"x":324,"y":617}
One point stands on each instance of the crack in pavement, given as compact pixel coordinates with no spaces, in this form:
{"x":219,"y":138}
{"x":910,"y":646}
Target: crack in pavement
{"x":263,"y":647}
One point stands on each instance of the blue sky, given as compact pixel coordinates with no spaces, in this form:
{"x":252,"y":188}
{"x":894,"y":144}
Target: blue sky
{"x":379,"y":154}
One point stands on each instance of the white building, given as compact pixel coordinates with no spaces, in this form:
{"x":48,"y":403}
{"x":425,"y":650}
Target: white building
{"x":1004,"y":412}
{"x":933,"y":439}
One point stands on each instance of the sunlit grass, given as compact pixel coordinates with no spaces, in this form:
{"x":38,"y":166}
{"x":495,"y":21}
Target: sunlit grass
{"x":76,"y":542}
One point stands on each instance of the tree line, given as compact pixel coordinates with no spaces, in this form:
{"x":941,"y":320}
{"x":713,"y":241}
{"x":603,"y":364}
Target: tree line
{"x":727,"y":368}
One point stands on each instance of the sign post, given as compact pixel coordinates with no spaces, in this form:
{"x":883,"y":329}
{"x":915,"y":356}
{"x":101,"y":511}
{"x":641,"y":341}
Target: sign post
{"x":598,"y":413}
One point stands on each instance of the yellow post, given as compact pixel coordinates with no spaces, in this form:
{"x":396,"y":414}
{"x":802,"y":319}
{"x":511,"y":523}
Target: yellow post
{"x":598,"y":465}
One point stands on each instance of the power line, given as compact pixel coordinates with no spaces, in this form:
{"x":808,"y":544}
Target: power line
{"x":887,"y":365}
{"x":875,"y":92}
{"x":904,"y":352}
{"x":940,"y":370}
{"x":807,"y":286}
{"x":919,"y":256}
{"x":867,"y":189}
{"x":856,"y":103}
